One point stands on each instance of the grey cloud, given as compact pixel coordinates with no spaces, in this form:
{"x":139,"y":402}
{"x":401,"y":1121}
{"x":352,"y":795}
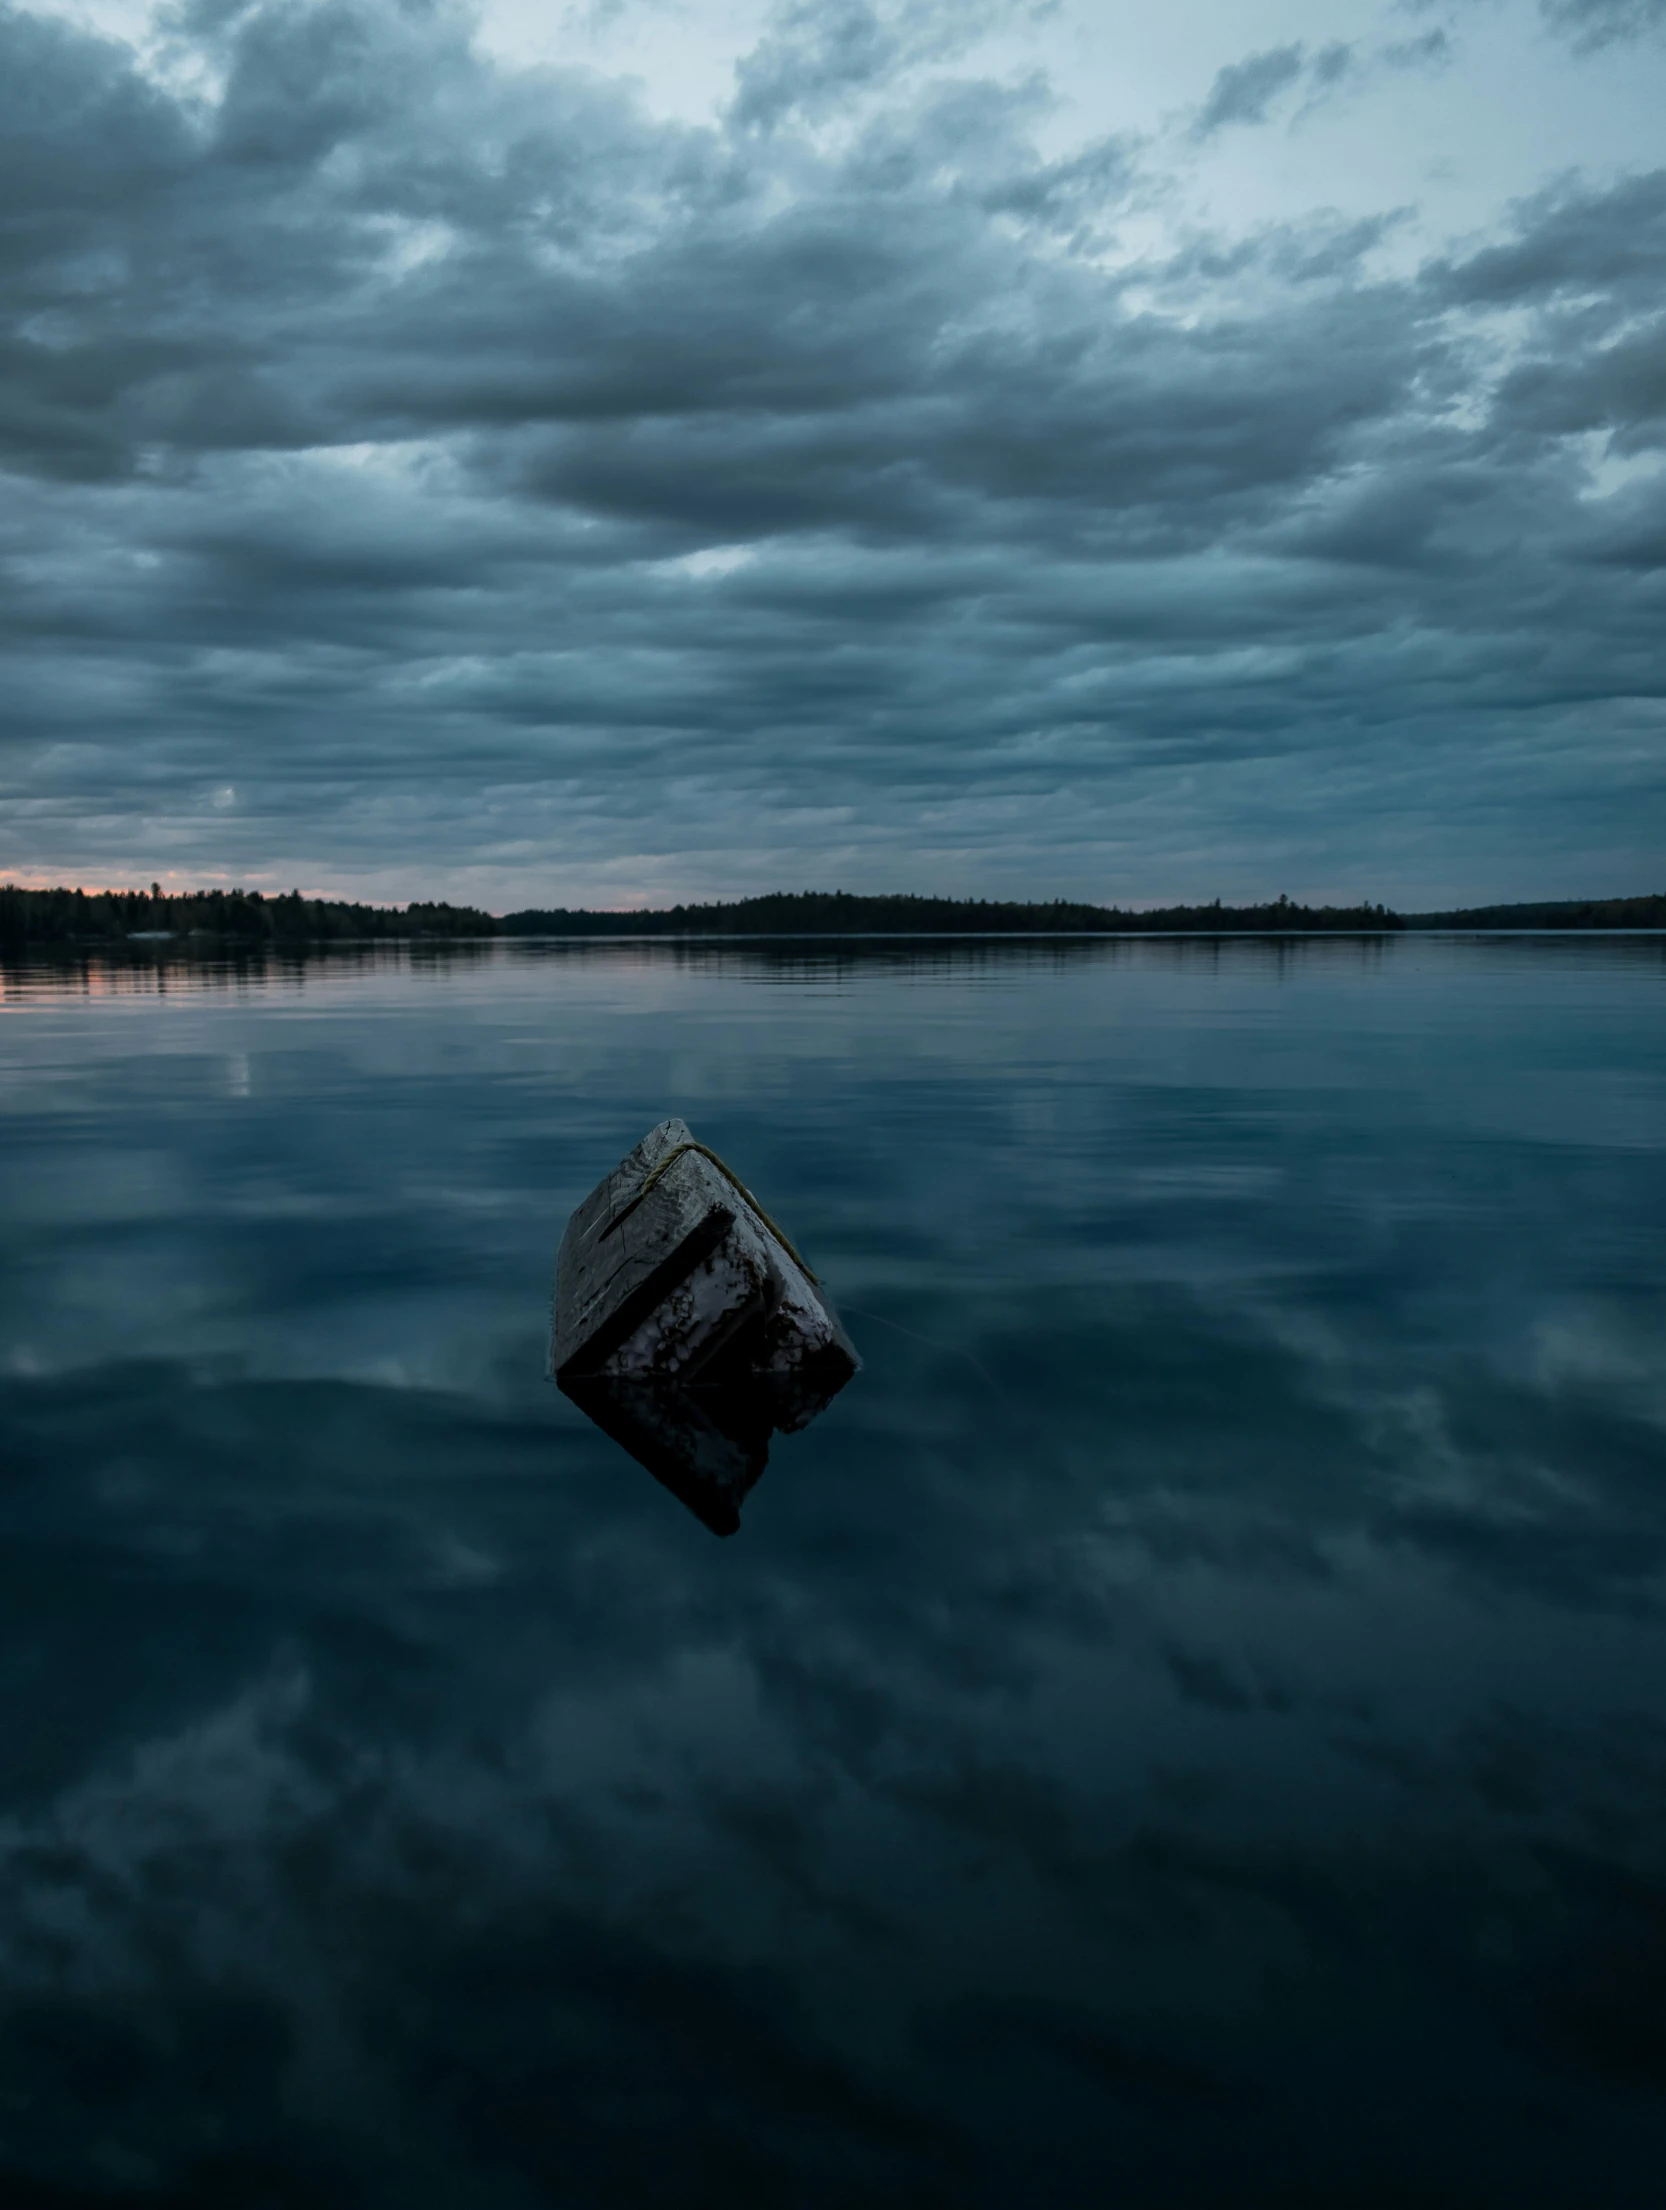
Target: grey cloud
{"x":1608,"y":246}
{"x":1589,"y":26}
{"x":1433,"y":50}
{"x":1244,"y":90}
{"x":1066,"y":194}
{"x":1594,"y":263}
{"x":1596,"y":23}
{"x":1619,"y":388}
{"x":1332,"y":63}
{"x":816,"y":53}
{"x":814,"y":57}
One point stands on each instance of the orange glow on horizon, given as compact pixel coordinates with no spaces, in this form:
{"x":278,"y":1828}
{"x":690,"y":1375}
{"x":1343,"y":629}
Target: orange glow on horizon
{"x":175,"y":884}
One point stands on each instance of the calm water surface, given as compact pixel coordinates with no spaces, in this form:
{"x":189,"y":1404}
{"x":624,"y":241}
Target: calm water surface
{"x":1187,"y":1725}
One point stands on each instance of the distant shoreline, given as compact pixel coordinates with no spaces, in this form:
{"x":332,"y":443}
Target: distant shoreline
{"x":251,"y":920}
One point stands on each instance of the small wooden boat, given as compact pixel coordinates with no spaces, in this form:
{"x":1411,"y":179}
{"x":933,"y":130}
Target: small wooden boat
{"x":671,"y":1269}
{"x":686,"y":1324}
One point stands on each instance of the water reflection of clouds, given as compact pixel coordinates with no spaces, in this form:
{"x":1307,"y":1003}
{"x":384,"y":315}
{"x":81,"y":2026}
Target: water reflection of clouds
{"x":1245,"y":1708}
{"x":692,"y":1833}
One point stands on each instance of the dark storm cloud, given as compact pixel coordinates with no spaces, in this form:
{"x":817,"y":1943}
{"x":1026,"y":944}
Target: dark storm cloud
{"x":416,"y":464}
{"x":1607,"y":249}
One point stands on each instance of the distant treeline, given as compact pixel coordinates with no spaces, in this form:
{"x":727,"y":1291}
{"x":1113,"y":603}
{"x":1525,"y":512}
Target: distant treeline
{"x":1563,"y":913}
{"x":840,"y":913}
{"x":248,"y":917}
{"x":242,"y":916}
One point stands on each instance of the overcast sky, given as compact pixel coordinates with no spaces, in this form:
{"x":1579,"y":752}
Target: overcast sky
{"x":669,"y":448}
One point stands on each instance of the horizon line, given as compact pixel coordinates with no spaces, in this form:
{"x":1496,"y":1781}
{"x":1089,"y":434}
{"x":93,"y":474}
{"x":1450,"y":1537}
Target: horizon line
{"x":153,"y":894}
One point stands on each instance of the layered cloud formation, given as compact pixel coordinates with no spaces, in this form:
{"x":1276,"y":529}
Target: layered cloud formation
{"x":433,"y":470}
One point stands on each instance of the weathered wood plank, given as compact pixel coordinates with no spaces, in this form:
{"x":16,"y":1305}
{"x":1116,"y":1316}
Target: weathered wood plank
{"x":669,"y":1269}
{"x":621,"y":1257}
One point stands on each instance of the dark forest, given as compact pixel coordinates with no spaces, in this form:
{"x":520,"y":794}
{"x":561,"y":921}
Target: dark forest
{"x":248,"y":917}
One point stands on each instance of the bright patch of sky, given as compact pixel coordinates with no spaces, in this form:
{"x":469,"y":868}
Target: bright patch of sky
{"x":1447,"y":112}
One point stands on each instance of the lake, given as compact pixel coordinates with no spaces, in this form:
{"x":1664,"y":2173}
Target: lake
{"x":1186,"y":1725}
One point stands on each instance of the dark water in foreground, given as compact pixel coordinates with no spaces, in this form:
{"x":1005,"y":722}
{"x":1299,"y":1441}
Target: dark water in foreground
{"x":1188,"y":1724}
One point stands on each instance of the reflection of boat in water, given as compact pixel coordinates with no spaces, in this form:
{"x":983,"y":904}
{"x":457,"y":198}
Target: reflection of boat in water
{"x":687,"y":1326}
{"x":707,"y":1446}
